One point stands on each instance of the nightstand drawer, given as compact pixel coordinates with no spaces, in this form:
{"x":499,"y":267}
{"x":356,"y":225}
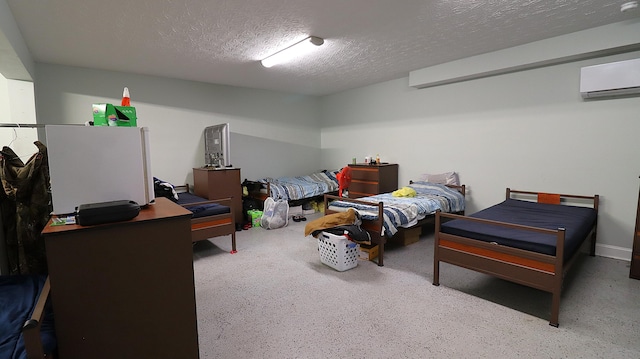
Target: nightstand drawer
{"x":363,"y":187}
{"x":365,"y":174}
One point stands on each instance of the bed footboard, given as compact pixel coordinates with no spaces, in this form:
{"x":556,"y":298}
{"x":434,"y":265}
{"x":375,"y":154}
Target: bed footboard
{"x":541,"y":271}
{"x":203,"y":228}
{"x":31,"y":329}
{"x":374,"y":227}
{"x":206,"y":227}
{"x":27,"y":324}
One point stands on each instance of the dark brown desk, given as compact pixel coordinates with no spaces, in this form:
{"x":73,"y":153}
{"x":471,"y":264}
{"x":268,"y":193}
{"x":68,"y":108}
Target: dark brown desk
{"x":125,"y":289}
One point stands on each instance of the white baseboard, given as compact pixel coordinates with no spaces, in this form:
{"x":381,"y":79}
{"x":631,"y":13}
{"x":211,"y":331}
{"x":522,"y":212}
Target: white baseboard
{"x":614,"y":252}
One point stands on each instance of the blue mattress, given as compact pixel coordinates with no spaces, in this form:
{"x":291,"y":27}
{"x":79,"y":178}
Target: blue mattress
{"x":18,"y":297}
{"x":202,"y":210}
{"x":578,"y":222}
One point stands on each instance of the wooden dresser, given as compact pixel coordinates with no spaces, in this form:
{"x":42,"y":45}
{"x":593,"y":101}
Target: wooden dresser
{"x":369,"y":180}
{"x":125,"y":289}
{"x":212,"y":183}
{"x":635,"y":255}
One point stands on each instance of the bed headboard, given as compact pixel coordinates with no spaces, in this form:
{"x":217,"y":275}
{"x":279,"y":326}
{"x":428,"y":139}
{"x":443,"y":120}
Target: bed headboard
{"x":460,"y":188}
{"x":554,"y":198}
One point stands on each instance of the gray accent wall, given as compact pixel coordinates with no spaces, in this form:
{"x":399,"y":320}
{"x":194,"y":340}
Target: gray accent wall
{"x":272,"y":134}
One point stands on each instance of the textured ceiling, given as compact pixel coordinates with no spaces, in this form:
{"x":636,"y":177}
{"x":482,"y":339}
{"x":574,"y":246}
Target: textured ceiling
{"x":366,"y":41}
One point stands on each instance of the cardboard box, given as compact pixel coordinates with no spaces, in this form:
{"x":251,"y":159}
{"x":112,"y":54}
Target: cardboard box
{"x":368,"y":252}
{"x":295,"y":211}
{"x":409,"y":235}
{"x":106,"y":114}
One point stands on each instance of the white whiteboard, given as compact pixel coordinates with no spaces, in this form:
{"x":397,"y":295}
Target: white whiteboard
{"x":91,"y":164}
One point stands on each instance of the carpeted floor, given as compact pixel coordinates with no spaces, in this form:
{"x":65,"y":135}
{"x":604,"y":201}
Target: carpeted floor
{"x":275,"y":299}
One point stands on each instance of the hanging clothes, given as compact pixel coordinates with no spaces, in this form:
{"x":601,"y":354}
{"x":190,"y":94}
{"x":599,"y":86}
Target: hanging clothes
{"x":25,"y":202}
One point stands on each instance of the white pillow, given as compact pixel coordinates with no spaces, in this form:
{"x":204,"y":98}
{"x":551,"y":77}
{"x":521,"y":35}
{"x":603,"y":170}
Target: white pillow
{"x":441,"y":178}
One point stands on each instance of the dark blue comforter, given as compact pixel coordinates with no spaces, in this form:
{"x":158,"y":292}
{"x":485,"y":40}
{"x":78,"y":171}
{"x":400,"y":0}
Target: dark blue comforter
{"x":577,"y":221}
{"x":202,"y":210}
{"x":18,"y":296}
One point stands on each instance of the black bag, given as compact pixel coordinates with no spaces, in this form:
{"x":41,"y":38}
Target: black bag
{"x":164,"y":189}
{"x":105,"y":212}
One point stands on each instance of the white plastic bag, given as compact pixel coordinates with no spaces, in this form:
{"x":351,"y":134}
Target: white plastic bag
{"x":275,"y":213}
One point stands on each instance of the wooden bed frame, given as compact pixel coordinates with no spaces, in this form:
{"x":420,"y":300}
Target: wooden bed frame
{"x":211,"y":226}
{"x":374,"y":227}
{"x":31,"y":329}
{"x":262,"y":196}
{"x":540,"y":271}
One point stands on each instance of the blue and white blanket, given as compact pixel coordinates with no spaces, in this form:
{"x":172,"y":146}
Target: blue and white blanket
{"x":300,"y":187}
{"x":406,"y":211}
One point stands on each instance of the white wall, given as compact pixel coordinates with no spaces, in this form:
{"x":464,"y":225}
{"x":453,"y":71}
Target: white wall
{"x":272,"y":134}
{"x":527,"y":130}
{"x":17,"y":105}
{"x":15,"y":59}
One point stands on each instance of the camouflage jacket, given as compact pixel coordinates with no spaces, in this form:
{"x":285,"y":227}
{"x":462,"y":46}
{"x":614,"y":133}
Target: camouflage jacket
{"x":25,"y":205}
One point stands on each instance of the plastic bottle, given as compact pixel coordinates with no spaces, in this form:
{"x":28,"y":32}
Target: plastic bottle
{"x":126,"y":100}
{"x":377,"y":158}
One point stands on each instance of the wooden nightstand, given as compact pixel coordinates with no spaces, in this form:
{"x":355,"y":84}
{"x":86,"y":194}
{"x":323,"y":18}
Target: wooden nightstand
{"x":212,"y":183}
{"x":369,"y":180}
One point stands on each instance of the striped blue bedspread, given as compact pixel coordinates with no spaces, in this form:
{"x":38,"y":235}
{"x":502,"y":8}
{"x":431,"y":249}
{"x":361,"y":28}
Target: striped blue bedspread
{"x":300,"y":187}
{"x":406,"y":211}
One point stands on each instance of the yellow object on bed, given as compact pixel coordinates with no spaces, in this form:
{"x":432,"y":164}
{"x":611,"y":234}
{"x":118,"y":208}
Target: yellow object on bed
{"x":404,"y":192}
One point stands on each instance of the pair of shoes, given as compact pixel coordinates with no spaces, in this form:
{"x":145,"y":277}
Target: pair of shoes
{"x":299,"y":218}
{"x":246,"y":226}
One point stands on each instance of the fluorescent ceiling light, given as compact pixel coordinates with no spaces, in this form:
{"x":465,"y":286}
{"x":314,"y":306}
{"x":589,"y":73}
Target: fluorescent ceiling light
{"x":293,"y":51}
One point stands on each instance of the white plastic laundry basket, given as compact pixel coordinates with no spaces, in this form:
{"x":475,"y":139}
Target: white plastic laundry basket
{"x":337,"y":252}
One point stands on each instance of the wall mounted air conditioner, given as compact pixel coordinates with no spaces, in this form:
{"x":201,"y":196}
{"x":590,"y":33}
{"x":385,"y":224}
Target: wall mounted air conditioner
{"x":620,"y":78}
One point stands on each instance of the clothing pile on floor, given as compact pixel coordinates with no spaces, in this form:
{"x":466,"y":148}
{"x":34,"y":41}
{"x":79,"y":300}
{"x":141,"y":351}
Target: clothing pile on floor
{"x":346,"y":223}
